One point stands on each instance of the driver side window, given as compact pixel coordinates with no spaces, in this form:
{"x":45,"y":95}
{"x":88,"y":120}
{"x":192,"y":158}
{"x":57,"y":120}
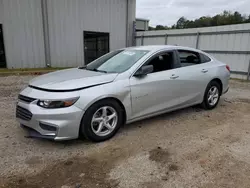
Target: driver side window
{"x":162,"y":62}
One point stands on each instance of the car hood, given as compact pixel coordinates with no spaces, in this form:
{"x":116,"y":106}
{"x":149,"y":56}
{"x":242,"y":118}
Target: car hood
{"x":71,"y":79}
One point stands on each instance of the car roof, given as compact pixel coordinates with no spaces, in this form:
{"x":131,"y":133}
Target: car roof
{"x":162,"y":47}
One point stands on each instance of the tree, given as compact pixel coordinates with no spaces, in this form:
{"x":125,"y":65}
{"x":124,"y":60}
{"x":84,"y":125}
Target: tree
{"x":173,"y":26}
{"x":181,"y":23}
{"x":238,"y":18}
{"x":225,"y":18}
{"x":160,"y":27}
{"x":151,"y":28}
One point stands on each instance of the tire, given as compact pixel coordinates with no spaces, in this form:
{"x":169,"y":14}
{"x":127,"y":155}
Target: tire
{"x":89,"y":128}
{"x":208,"y":103}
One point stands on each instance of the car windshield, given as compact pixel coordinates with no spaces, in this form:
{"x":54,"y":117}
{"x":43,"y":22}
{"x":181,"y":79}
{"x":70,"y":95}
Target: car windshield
{"x":116,"y":61}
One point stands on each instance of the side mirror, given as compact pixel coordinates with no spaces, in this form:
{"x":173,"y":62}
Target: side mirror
{"x":144,"y":70}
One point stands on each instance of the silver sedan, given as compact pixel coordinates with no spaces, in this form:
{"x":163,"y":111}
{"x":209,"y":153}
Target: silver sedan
{"x":120,"y":87}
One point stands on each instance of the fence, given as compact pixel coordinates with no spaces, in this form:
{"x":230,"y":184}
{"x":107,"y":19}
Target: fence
{"x":229,"y":44}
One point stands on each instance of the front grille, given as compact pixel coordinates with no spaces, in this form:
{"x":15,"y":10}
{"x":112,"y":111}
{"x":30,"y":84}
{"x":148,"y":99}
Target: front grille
{"x":25,"y":99}
{"x":23,"y":113}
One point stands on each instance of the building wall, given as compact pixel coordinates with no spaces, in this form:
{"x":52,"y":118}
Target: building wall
{"x":26,"y":33}
{"x":141,"y":25}
{"x":229,"y":44}
{"x":23,"y":33}
{"x":1,"y":11}
{"x":131,"y":19}
{"x":68,"y":20}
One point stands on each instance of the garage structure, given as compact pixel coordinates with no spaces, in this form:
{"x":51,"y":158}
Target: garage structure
{"x":62,"y":33}
{"x":142,"y":24}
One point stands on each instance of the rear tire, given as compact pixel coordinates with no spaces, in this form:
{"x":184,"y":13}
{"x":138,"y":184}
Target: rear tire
{"x":96,"y":126}
{"x":211,"y":96}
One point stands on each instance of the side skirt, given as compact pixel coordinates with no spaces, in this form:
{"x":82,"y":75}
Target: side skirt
{"x":159,"y":113}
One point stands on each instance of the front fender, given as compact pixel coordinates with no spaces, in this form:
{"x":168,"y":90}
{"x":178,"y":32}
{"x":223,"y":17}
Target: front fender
{"x":119,"y":90}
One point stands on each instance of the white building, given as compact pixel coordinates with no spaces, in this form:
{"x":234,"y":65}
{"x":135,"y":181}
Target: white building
{"x":142,"y":24}
{"x":62,"y":33}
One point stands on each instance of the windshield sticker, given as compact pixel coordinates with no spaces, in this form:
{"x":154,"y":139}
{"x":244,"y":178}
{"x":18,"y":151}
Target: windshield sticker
{"x":129,"y":53}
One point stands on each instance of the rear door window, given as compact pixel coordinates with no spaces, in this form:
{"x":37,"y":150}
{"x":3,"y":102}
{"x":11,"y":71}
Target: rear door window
{"x":189,"y":58}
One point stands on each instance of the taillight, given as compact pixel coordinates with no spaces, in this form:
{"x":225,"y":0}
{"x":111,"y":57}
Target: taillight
{"x":228,"y":68}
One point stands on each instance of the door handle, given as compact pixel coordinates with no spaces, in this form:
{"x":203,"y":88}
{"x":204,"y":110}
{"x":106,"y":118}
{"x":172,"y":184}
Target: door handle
{"x":204,"y":70}
{"x":174,"y":76}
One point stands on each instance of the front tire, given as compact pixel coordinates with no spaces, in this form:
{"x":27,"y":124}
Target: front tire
{"x":102,"y":120}
{"x":212,"y":95}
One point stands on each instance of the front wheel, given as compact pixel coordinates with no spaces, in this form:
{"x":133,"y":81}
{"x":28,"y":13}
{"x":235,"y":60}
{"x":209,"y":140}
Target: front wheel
{"x":212,"y":95}
{"x":102,"y":120}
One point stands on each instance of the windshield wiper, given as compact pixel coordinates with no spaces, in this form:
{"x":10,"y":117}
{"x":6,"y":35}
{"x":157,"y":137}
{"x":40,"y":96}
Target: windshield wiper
{"x":83,"y":67}
{"x":96,"y":70}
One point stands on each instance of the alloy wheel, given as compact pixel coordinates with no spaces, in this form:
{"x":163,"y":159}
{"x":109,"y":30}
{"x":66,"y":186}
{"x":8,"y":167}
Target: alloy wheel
{"x":213,"y":96}
{"x":104,"y":121}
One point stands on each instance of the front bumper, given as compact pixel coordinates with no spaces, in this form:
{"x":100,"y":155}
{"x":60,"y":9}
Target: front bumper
{"x":56,"y":124}
{"x":225,"y":91}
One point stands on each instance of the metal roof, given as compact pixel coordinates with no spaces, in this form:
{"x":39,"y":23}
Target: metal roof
{"x":142,"y":19}
{"x":161,"y":47}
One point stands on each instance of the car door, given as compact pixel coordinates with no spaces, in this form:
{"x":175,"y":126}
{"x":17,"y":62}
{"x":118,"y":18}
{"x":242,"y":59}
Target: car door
{"x":156,"y":91}
{"x":193,"y":77}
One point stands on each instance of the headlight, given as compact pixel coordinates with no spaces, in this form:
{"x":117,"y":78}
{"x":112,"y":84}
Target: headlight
{"x":57,"y":103}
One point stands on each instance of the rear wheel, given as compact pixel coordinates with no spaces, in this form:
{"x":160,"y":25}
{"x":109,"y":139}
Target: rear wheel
{"x":212,"y":95}
{"x":102,"y":120}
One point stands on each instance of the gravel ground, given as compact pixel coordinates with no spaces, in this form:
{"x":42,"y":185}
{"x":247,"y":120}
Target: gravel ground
{"x":187,"y":148}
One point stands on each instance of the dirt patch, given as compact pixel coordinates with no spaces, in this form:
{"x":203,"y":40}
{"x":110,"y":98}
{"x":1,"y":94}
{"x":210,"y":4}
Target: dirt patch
{"x":237,"y":100}
{"x":35,"y":160}
{"x":173,"y":167}
{"x":159,"y":155}
{"x":231,"y":139}
{"x":9,"y":92}
{"x":242,"y":100}
{"x":237,"y":84}
{"x":151,"y":185}
{"x":135,"y":171}
{"x":83,"y":172}
{"x":165,"y":162}
{"x":203,"y":149}
{"x":228,"y":172}
{"x":87,"y":172}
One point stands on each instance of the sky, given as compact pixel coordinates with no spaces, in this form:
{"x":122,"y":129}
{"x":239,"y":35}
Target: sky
{"x":167,"y":12}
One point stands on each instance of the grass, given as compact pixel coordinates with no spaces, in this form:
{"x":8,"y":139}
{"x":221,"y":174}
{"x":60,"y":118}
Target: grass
{"x":27,"y":71}
{"x":32,"y":69}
